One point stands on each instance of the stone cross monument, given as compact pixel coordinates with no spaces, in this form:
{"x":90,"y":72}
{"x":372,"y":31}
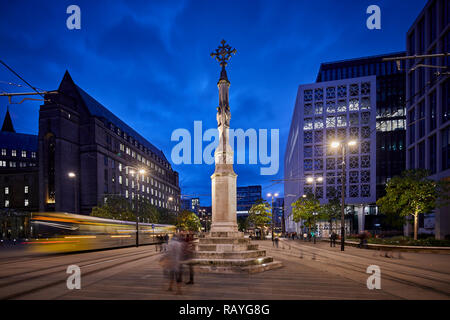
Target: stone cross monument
{"x":223,"y":181}
{"x":224,"y":249}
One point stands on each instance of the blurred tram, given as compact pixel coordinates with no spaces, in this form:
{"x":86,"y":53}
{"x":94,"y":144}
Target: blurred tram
{"x":66,"y":232}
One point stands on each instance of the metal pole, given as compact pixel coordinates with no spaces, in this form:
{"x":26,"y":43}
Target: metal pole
{"x":75,"y":194}
{"x":343,"y":178}
{"x":272,"y":219}
{"x":137,"y":213}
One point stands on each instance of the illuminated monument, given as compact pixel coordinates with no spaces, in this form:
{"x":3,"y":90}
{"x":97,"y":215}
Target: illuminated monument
{"x":225,"y":249}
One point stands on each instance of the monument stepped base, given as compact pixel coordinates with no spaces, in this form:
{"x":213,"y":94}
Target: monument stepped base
{"x":230,"y":252}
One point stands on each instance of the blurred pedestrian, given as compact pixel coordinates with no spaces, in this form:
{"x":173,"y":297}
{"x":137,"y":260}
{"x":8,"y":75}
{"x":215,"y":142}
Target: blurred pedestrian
{"x":172,"y":263}
{"x":333,"y":238}
{"x":188,"y":255}
{"x":276,"y":242}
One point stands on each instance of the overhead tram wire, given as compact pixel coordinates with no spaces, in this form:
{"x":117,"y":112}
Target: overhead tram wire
{"x":27,"y":83}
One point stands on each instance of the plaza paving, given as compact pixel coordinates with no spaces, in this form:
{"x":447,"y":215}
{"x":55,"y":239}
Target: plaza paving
{"x":309,"y":272}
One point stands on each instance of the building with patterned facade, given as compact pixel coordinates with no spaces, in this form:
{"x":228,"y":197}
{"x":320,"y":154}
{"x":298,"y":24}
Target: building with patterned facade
{"x":78,"y":135}
{"x":339,"y":110}
{"x":428,"y":103}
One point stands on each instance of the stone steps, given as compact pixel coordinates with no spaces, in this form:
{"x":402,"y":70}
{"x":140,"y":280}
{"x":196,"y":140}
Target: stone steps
{"x":231,"y":247}
{"x":232,"y":262}
{"x":230,"y":255}
{"x":218,"y":240}
{"x":237,"y":269}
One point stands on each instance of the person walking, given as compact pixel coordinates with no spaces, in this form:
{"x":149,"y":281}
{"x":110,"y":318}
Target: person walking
{"x":276,"y":242}
{"x":188,"y":255}
{"x":173,"y":263}
{"x":333,"y":238}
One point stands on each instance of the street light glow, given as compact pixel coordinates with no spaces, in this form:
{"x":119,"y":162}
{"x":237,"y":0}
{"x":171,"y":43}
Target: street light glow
{"x":276,"y":194}
{"x":72,"y":175}
{"x":269,"y":194}
{"x":352,"y":143}
{"x":142,"y":171}
{"x":319,"y":179}
{"x":309,"y":180}
{"x":335,"y":144}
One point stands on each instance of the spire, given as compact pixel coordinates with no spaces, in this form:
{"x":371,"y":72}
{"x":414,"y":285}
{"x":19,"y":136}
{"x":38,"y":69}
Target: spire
{"x":7,"y":123}
{"x":223,"y":75}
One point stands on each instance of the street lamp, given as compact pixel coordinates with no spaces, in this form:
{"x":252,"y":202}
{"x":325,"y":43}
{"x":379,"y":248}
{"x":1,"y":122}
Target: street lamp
{"x":73,"y":176}
{"x":313,"y":181}
{"x":134,"y":172}
{"x":335,"y":145}
{"x":273,"y":223}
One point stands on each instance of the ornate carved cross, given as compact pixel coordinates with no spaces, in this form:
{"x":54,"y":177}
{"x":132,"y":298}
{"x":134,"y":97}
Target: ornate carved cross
{"x":223,"y":53}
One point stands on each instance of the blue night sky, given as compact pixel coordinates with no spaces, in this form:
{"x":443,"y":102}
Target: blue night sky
{"x":148,"y":61}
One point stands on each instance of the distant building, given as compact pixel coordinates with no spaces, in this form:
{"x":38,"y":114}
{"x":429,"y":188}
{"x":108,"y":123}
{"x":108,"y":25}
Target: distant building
{"x":190,"y":204}
{"x":205,"y":216}
{"x":18,"y":179}
{"x":278,"y":208}
{"x":246,"y":197}
{"x":78,"y":135}
{"x":428,"y":104}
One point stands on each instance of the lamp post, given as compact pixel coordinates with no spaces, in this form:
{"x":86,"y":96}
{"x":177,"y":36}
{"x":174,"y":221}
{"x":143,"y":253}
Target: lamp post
{"x":73,"y":176}
{"x":313,"y":181}
{"x":273,"y":223}
{"x":134,"y":171}
{"x":337,"y":144}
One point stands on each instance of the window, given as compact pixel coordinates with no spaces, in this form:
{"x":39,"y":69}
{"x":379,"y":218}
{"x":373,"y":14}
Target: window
{"x":3,"y":152}
{"x":412,"y":158}
{"x":6,"y":203}
{"x":422,"y":120}
{"x":432,"y":106}
{"x":6,"y":190}
{"x":33,"y":155}
{"x":26,"y":189}
{"x":2,"y":163}
{"x":421,"y":163}
{"x":445,"y":101}
{"x":26,"y":202}
{"x":446,"y":148}
{"x":120,"y":179}
{"x":13,"y":153}
{"x":12,"y":164}
{"x":432,"y":165}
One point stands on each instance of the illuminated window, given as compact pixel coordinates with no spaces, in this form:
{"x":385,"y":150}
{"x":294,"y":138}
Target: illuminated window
{"x":13,"y":153}
{"x":26,"y":189}
{"x":6,"y":190}
{"x":3,"y":152}
{"x":26,"y":203}
{"x":24,"y":154}
{"x":33,"y":155}
{"x":6,"y":203}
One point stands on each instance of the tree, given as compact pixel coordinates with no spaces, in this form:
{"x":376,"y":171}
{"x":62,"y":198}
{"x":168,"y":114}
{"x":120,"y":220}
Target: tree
{"x":165,"y":216}
{"x":121,"y":208}
{"x":115,"y":207}
{"x":242,"y":223}
{"x":260,"y":215}
{"x":412,"y":194}
{"x":331,"y":210}
{"x":307,"y":209}
{"x":188,"y":221}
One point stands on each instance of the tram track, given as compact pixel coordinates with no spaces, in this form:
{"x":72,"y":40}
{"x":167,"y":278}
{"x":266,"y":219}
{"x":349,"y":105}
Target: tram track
{"x":388,"y":272}
{"x":98,"y":265}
